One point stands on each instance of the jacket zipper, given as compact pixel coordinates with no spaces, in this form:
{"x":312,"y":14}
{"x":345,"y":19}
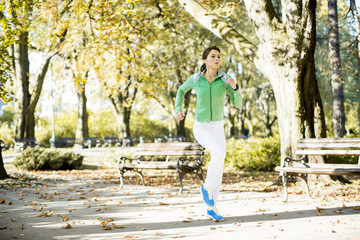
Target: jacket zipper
{"x":210,"y":104}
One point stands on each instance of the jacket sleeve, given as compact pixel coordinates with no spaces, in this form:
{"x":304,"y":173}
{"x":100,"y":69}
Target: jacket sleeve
{"x":186,"y":86}
{"x":235,"y":96}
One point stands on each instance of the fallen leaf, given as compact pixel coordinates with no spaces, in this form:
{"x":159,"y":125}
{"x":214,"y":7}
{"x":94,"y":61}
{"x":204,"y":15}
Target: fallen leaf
{"x":181,"y":236}
{"x":129,"y":237}
{"x":67,"y":226}
{"x":357,"y":208}
{"x":21,"y":227}
{"x":115,"y":226}
{"x":107,"y":228}
{"x":47,"y":214}
{"x":2,"y":200}
{"x":161,"y":203}
{"x":319,"y":211}
{"x":2,"y":228}
{"x":142,"y":229}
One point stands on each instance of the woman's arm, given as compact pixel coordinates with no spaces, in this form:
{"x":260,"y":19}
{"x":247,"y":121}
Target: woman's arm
{"x":187,"y":85}
{"x":234,"y":92}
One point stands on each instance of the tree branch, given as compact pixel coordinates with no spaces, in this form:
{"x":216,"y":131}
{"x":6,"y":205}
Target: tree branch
{"x":220,"y":28}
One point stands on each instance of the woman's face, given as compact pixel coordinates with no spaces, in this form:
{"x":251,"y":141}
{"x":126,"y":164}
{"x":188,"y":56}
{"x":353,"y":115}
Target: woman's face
{"x":213,"y":59}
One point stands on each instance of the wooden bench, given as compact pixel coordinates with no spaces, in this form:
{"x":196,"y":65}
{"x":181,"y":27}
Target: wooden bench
{"x":21,"y":144}
{"x":323,"y":146}
{"x":91,"y":142}
{"x":188,"y":159}
{"x":109,"y":141}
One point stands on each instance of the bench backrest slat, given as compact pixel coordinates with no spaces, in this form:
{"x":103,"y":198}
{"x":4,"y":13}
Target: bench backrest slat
{"x":328,"y":146}
{"x":330,"y":140}
{"x":169,"y":146}
{"x":168,"y":153}
{"x":323,"y":145}
{"x":327,"y":152}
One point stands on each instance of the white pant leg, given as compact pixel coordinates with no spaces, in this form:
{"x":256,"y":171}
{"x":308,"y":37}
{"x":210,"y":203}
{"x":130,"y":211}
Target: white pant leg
{"x":211,"y":136}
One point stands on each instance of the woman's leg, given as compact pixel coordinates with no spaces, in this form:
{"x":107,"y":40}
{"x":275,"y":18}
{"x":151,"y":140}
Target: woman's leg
{"x":211,"y":136}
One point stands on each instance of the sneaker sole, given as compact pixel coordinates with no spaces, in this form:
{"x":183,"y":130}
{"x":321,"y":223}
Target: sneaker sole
{"x":215,"y":220}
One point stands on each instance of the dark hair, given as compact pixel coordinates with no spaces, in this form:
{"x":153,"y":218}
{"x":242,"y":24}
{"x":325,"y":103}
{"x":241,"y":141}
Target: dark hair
{"x":205,"y":55}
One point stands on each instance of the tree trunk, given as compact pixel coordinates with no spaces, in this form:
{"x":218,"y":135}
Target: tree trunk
{"x":25,"y":122}
{"x":338,"y":119}
{"x":21,"y":71}
{"x":122,"y":104}
{"x":82,"y":128}
{"x":285,"y":55}
{"x":356,"y":17}
{"x":123,"y":118}
{"x":3,"y":173}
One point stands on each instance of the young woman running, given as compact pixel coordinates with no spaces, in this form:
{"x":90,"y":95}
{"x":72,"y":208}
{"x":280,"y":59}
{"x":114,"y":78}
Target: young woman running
{"x":210,"y":85}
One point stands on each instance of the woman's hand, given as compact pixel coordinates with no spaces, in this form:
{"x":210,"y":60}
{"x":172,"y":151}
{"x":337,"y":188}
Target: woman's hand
{"x":179,"y":116}
{"x":232,"y":82}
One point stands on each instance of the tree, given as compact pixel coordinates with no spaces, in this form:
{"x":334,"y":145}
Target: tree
{"x":338,"y":119}
{"x":24,"y":13}
{"x":285,"y":55}
{"x":356,"y":17}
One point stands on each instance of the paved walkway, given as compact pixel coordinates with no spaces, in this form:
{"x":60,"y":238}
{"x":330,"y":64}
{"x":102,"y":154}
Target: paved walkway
{"x":80,"y":208}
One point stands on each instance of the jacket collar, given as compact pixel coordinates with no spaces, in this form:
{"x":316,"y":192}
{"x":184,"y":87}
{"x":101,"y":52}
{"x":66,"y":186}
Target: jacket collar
{"x":220,"y":74}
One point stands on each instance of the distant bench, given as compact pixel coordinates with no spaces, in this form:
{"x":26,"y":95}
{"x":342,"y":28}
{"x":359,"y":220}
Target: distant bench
{"x":109,"y":141}
{"x":322,"y":146}
{"x":21,"y":144}
{"x":188,"y":161}
{"x":70,"y":142}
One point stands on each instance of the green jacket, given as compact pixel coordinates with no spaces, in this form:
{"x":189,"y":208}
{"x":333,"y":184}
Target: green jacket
{"x":210,"y":97}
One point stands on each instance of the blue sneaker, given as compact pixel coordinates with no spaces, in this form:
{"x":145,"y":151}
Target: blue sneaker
{"x":214,"y":215}
{"x":207,"y":196}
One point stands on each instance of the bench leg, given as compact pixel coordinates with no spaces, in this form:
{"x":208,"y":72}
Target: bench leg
{"x":285,"y":179}
{"x":304,"y":178}
{"x":181,"y":175}
{"x":141,"y":176}
{"x":200,"y":173}
{"x":121,"y":173}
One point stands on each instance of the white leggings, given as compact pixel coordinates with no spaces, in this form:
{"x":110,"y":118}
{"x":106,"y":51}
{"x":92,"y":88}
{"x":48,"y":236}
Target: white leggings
{"x":211,"y":136}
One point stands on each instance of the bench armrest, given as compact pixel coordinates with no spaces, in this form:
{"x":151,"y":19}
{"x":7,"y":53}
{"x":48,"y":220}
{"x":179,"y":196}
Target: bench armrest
{"x":181,"y":161}
{"x":287,"y":160}
{"x":124,"y":159}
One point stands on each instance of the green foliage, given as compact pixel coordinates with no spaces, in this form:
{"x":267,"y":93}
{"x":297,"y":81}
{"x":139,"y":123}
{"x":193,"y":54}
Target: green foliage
{"x":43,"y":159}
{"x":254,"y":154}
{"x":65,"y":126}
{"x":102,"y":124}
{"x":142,"y":126}
{"x":8,"y":115}
{"x":6,"y":133}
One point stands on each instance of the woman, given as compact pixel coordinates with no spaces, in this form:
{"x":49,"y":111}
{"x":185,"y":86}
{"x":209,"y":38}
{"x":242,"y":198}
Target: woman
{"x":210,"y":85}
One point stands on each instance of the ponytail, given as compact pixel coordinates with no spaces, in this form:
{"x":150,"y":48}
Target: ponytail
{"x":203,"y":68}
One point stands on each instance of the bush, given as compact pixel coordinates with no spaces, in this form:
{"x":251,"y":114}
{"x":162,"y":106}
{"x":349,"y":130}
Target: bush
{"x":254,"y":154}
{"x":44,"y":159}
